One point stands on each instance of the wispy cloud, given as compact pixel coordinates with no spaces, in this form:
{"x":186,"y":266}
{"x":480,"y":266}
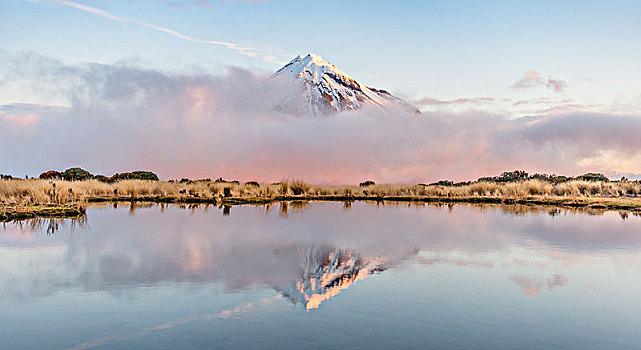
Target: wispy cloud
{"x":243,"y":50}
{"x":542,"y":101}
{"x":568,"y":108}
{"x":533,"y":79}
{"x":190,"y":3}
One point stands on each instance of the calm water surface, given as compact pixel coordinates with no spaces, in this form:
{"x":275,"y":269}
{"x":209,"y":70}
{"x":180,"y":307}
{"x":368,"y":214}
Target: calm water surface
{"x":322,"y":275}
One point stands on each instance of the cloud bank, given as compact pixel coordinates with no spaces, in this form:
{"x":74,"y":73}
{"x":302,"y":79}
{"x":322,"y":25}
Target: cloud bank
{"x":120,"y":117}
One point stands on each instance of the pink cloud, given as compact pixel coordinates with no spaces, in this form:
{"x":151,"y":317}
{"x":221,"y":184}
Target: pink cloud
{"x":14,"y":128}
{"x":533,"y":79}
{"x":19,"y":121}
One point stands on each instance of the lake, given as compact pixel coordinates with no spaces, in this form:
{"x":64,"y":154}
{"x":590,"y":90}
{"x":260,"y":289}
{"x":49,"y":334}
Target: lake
{"x":322,"y":275}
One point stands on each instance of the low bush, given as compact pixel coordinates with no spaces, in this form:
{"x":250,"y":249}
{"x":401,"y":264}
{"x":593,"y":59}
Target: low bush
{"x":51,"y":174}
{"x":443,"y":183}
{"x":593,"y":177}
{"x":76,"y":174}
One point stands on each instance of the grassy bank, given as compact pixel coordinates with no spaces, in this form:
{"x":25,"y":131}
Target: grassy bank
{"x":9,"y":212}
{"x":38,"y":197}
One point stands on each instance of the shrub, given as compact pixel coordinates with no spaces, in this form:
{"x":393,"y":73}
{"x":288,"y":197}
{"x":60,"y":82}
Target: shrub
{"x":555,"y":179}
{"x":443,"y":183}
{"x":144,"y":175}
{"x":593,"y":177}
{"x":100,"y":178}
{"x":508,"y":176}
{"x":221,"y":180}
{"x":76,"y":174}
{"x":51,"y":174}
{"x":559,"y":179}
{"x":367,"y":183}
{"x":252,"y":183}
{"x":135,"y":175}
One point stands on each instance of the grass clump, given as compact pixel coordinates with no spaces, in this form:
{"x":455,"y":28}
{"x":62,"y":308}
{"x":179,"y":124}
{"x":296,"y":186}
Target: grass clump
{"x":299,"y":187}
{"x":283,"y":187}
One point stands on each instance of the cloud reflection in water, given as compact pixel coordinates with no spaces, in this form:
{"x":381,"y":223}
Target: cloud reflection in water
{"x":309,"y":257}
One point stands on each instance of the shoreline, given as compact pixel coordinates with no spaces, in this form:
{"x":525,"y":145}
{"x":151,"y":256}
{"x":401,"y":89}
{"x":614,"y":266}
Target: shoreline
{"x":16,"y":213}
{"x":607,"y":203}
{"x":632,"y":204}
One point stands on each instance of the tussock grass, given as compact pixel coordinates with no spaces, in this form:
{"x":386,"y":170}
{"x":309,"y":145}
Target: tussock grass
{"x":299,"y":187}
{"x":37,"y":192}
{"x":58,"y":192}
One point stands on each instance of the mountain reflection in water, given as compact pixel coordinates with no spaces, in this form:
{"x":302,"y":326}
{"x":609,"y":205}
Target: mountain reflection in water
{"x":327,"y":271}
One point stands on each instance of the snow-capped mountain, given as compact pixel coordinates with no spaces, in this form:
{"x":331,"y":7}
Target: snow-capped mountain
{"x":327,"y":89}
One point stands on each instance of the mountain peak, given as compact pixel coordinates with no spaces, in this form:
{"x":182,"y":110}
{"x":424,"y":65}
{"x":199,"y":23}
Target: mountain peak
{"x":314,"y":56}
{"x":328,"y":89}
{"x":317,"y":60}
{"x":311,"y":66}
{"x":311,"y":57}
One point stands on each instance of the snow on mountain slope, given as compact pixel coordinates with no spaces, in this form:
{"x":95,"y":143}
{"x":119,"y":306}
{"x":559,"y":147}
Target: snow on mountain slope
{"x":327,"y":89}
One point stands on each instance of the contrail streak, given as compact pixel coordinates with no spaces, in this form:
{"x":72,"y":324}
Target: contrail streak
{"x":243,"y":50}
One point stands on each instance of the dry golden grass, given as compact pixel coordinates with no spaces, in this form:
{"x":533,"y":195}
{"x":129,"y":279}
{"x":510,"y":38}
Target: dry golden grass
{"x":58,"y":192}
{"x":36,"y":191}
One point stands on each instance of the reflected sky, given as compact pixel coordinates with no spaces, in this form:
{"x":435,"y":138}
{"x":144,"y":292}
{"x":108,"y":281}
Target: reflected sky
{"x":164,"y":276}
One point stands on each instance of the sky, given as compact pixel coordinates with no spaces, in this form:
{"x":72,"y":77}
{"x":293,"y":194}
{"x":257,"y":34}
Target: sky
{"x":493,"y":66}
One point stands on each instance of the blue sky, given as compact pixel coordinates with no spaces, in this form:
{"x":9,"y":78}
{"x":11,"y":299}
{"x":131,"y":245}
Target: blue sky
{"x":441,"y":49}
